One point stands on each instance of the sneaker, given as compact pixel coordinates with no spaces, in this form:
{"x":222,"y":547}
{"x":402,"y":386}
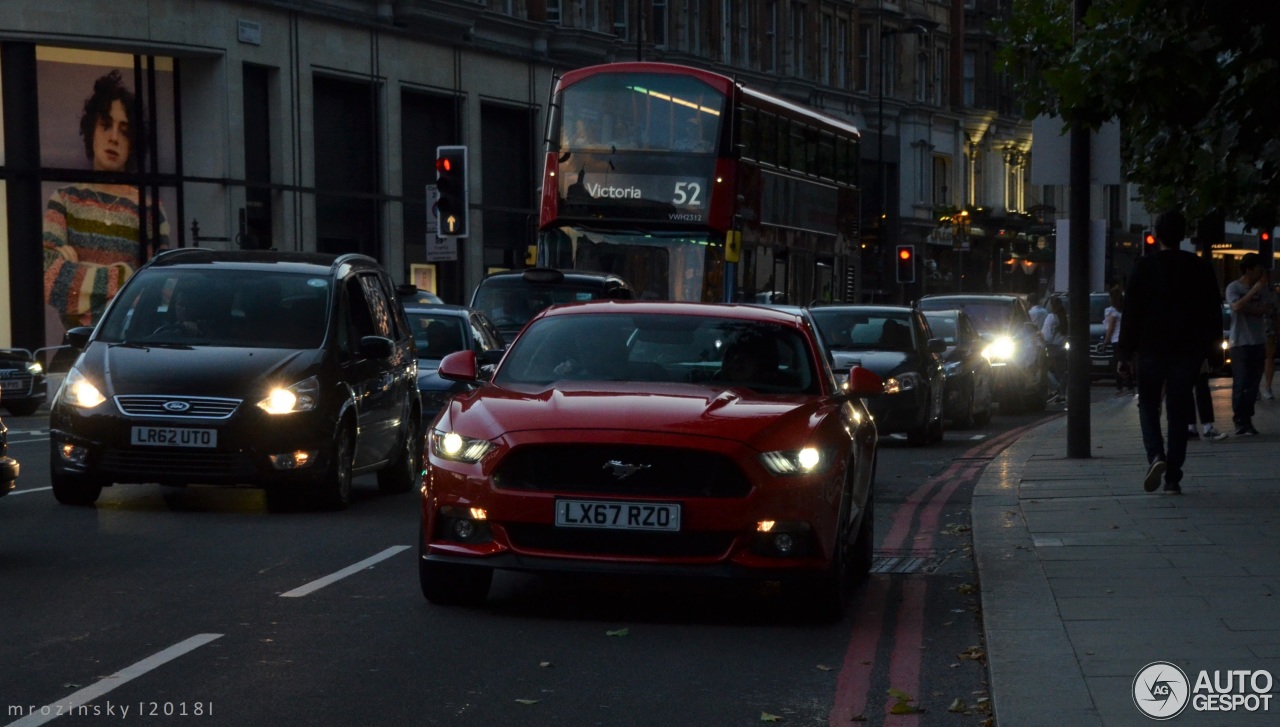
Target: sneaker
{"x":1191,"y":431}
{"x":1246,"y":431}
{"x":1171,"y":488}
{"x":1266,"y":394}
{"x":1213,"y":435}
{"x":1152,"y":482}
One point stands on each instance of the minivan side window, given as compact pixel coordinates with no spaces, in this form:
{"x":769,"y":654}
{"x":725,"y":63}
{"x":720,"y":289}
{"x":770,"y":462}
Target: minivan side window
{"x":379,"y":308}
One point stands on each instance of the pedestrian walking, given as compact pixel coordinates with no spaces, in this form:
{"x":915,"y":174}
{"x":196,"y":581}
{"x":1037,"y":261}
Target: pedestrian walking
{"x":1055,"y":336}
{"x":1171,"y":323}
{"x":1112,"y":316}
{"x":1204,"y":409}
{"x":1036,"y":311}
{"x":1269,"y":329}
{"x":1247,"y":296}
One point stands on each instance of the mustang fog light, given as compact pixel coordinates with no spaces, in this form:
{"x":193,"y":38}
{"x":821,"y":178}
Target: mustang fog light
{"x":779,"y":539}
{"x":463,"y":525}
{"x":74,"y":454}
{"x":292,"y":460}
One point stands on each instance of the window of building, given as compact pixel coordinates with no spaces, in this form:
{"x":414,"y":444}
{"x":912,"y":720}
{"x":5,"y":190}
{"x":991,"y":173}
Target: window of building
{"x":620,"y":18}
{"x":939,"y":76}
{"x":941,"y":180}
{"x":970,"y":78}
{"x":693,"y":26}
{"x":889,"y":61}
{"x":864,"y":58}
{"x":769,"y":53}
{"x":842,"y":54}
{"x":660,"y":23}
{"x":922,"y":76}
{"x":825,"y":55}
{"x":746,"y":27}
{"x":553,"y":12}
{"x":728,"y":13}
{"x":798,"y":48}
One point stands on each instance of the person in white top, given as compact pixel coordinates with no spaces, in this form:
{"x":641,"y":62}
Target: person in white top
{"x":1037,"y":311}
{"x":1055,"y":335}
{"x":1112,"y":316}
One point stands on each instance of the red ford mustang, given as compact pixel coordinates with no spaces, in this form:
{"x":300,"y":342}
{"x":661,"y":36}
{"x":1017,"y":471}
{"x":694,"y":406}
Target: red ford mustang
{"x":636,"y":437}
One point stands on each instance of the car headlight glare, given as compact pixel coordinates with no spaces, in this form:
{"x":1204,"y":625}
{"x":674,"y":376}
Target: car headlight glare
{"x":905,"y":381}
{"x":79,"y":392}
{"x":1001,"y":349}
{"x":804,"y":461}
{"x":302,"y":396}
{"x":455,"y":447}
{"x":34,"y":367}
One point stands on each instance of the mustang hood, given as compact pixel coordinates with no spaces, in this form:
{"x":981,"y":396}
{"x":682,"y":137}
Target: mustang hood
{"x":192,"y":371}
{"x":733,"y":413}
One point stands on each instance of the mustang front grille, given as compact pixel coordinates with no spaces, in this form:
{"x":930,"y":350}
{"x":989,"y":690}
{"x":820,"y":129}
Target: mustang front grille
{"x":621,"y":469}
{"x":525,"y":536}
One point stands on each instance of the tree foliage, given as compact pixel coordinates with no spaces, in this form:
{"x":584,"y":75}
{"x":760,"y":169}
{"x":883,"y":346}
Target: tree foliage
{"x":1195,"y":85}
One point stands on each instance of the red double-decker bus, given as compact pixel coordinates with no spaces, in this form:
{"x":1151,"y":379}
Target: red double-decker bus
{"x":695,"y":187}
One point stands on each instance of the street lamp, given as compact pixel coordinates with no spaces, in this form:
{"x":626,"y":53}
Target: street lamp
{"x":917,"y":29}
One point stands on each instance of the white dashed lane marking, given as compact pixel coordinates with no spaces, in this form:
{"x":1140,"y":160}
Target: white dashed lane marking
{"x":319,"y":583}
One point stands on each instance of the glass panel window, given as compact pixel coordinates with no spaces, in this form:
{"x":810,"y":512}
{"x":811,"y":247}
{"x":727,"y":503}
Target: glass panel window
{"x":939,"y":76}
{"x":922,"y":76}
{"x":769,"y":60}
{"x":842,"y":54}
{"x":641,"y":111}
{"x":553,"y":12}
{"x":970,"y":78}
{"x":660,"y":23}
{"x":825,"y":54}
{"x":798,"y":48}
{"x":864,"y":58}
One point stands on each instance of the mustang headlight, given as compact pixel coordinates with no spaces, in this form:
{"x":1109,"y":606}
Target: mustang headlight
{"x":905,"y":381}
{"x":79,"y":392}
{"x":455,"y":447}
{"x":804,"y":461}
{"x":1001,"y":349}
{"x":302,"y":396}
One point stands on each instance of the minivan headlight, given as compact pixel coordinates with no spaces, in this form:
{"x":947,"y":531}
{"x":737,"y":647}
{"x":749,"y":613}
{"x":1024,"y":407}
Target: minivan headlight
{"x":302,"y":396}
{"x":79,"y":391}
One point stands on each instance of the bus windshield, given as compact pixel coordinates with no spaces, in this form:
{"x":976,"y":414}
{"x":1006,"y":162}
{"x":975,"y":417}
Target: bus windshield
{"x":659,"y":266}
{"x":640,"y":111}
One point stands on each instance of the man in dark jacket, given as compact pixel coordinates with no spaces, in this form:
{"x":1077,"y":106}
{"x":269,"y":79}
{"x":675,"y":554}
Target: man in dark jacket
{"x":1172,"y":322}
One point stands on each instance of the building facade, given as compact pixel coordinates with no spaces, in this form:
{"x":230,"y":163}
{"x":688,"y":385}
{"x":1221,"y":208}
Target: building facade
{"x":312,"y":125}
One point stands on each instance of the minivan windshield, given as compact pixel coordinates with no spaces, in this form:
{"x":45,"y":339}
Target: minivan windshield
{"x":217,"y":306}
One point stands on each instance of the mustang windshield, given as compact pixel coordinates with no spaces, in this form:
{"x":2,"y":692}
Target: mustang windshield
{"x":725,"y":352}
{"x":219,"y":307}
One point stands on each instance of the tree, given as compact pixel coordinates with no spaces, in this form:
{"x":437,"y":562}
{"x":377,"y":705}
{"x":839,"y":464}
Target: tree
{"x":1193,"y":84}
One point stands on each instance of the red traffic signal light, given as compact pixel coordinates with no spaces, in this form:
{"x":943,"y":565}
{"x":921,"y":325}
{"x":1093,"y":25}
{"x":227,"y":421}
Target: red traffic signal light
{"x":452,"y":208}
{"x":1266,"y":249}
{"x":906,"y":264}
{"x":1148,"y":242}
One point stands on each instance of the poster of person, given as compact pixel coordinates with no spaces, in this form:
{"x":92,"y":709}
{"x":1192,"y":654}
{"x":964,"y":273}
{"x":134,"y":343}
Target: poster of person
{"x":97,"y":232}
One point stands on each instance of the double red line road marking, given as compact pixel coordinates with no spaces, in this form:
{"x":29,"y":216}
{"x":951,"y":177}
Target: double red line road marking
{"x":853,"y":685}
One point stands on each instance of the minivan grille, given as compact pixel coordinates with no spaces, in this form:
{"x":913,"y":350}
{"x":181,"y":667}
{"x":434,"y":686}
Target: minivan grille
{"x":621,"y":469}
{"x":217,"y":467}
{"x":198,"y":407}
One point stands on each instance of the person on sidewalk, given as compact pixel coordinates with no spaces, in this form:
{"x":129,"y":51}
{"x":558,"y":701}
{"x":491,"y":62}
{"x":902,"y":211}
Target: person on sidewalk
{"x":1111,"y":337}
{"x":1172,"y":321}
{"x":1036,"y":311}
{"x":1247,"y":297}
{"x":1055,"y":335}
{"x":1204,"y":408}
{"x":1269,"y":328}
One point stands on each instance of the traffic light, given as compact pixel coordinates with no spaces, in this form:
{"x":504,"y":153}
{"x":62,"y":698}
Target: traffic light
{"x":1148,"y":242}
{"x":906,"y":263}
{"x":1266,"y":248}
{"x":452,"y":210}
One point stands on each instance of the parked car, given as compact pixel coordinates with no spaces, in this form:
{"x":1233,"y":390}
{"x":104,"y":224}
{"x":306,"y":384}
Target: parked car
{"x":1017,"y":352}
{"x":970,"y":383}
{"x":9,"y":468}
{"x":410,"y":294}
{"x":22,"y":382}
{"x":513,"y":297}
{"x":1100,"y":366}
{"x":294,"y":372}
{"x":439,"y":330}
{"x":895,"y":343}
{"x":634,"y":437}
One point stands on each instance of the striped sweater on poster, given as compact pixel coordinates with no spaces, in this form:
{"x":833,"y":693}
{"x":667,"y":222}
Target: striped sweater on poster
{"x":91,"y":247}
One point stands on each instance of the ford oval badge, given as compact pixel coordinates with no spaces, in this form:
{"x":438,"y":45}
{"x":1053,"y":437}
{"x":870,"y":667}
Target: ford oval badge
{"x":176,"y":406}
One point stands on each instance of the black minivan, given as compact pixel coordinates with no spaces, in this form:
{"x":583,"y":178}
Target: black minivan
{"x":289,"y":371}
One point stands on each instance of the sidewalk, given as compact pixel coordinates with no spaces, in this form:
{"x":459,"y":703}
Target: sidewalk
{"x":1086,"y":579}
